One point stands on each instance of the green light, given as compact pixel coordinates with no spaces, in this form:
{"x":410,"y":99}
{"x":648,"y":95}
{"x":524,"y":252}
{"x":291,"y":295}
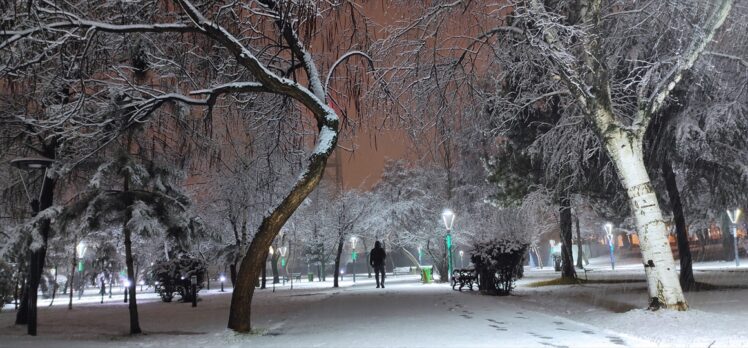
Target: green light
{"x":283,"y":262}
{"x":80,"y":266}
{"x":449,"y":240}
{"x":354,"y":255}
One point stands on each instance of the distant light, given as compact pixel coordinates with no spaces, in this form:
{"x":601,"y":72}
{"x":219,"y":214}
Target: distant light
{"x":142,"y":282}
{"x":223,"y":279}
{"x":126,"y":283}
{"x":155,"y":283}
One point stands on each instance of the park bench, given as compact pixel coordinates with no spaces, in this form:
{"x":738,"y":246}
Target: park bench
{"x":464,"y":277}
{"x":402,"y":270}
{"x":296,"y":276}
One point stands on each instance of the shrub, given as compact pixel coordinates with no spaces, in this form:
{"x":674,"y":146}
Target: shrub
{"x":499,"y":263}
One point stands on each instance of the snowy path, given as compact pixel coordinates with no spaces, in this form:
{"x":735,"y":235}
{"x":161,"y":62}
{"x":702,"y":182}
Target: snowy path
{"x":405,"y":314}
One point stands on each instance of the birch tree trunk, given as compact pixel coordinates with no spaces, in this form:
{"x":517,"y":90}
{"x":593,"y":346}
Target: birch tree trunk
{"x":625,"y":150}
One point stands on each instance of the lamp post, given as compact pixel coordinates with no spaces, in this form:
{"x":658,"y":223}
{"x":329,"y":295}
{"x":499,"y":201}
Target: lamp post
{"x":283,"y":250}
{"x":80,"y":251}
{"x":462,"y":264}
{"x":449,"y":218}
{"x":734,"y":215}
{"x":353,"y":257}
{"x":272,"y":251}
{"x":420,"y":256}
{"x":611,"y":244}
{"x":223,"y":280}
{"x":36,"y":257}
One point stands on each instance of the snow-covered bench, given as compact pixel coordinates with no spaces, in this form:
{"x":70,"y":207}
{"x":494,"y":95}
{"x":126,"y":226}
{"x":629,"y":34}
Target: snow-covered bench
{"x":402,"y":270}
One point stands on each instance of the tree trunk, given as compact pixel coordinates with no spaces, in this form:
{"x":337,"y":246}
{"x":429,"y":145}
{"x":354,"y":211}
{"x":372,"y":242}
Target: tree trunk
{"x":232,"y":273}
{"x":54,"y":288}
{"x":132,"y":303}
{"x":263,"y":282}
{"x":625,"y":150}
{"x":728,"y":246}
{"x":72,"y":273}
{"x":27,"y":312}
{"x":567,"y":259}
{"x":440,"y":263}
{"x":341,"y":241}
{"x":580,"y":250}
{"x":366,"y":253}
{"x":687,"y":280}
{"x":274,"y":266}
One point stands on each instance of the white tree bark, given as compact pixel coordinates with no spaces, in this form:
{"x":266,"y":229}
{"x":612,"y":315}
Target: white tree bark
{"x":625,"y":149}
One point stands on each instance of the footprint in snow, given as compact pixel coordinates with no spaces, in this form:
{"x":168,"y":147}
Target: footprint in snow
{"x":498,"y":328}
{"x":616,"y":340}
{"x":466,"y":316}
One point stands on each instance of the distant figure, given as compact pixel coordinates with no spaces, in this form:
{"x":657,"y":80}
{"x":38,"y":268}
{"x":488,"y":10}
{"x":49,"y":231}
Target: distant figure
{"x":102,"y":290}
{"x":376,"y":260}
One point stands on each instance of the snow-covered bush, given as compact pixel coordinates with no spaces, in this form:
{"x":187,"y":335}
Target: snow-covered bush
{"x":499,"y":263}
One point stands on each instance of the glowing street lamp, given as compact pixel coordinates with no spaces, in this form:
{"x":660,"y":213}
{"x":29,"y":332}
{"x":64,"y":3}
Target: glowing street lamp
{"x":611,"y":244}
{"x":449,"y":219}
{"x":223,"y":280}
{"x":734,"y":216}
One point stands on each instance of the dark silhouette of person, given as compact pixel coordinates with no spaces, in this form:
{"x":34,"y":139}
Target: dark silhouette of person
{"x":376,"y":260}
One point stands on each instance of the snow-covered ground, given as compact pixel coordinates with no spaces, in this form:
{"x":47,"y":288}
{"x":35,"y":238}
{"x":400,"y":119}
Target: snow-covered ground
{"x":410,"y":314}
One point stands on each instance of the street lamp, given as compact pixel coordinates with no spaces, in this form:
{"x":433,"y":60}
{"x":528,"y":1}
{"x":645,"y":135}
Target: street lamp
{"x":36,"y":257}
{"x":272,"y":251}
{"x":611,"y":244}
{"x":420,"y":256}
{"x":734,"y":215}
{"x":353,"y":257}
{"x":223,"y":280}
{"x":449,"y":218}
{"x":283,"y":250}
{"x":462,"y":253}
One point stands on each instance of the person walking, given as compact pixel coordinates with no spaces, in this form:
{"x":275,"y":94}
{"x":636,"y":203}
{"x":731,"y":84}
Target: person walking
{"x":102,"y":290}
{"x":376,"y":260}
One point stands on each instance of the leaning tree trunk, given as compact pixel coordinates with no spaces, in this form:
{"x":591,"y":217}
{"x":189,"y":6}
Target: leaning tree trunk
{"x":687,"y":280}
{"x":625,"y":150}
{"x":263,"y":282}
{"x":252,"y":264}
{"x":341,"y":241}
{"x":567,"y":269}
